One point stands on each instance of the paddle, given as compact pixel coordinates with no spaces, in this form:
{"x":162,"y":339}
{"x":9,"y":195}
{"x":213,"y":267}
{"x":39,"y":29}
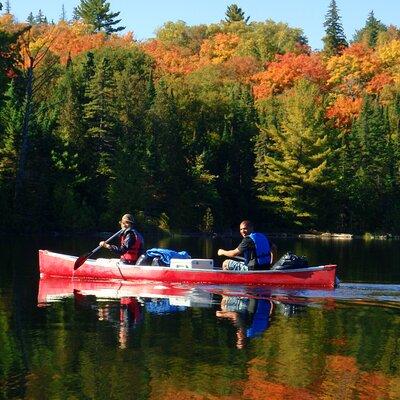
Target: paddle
{"x":83,"y":258}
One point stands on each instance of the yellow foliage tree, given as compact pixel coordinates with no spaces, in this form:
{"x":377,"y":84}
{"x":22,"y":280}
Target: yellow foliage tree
{"x":219,"y":48}
{"x":352,"y":70}
{"x":389,"y":56}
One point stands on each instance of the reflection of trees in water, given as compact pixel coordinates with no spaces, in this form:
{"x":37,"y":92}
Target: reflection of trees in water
{"x":350,"y":353}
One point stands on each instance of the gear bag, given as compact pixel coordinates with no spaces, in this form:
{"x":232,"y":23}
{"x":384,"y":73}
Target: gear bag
{"x":290,"y":261}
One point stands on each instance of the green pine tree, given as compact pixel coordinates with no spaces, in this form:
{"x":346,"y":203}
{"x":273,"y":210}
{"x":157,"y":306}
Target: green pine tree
{"x":131,"y":185}
{"x":11,"y":123}
{"x":63,"y":16}
{"x":236,"y":154}
{"x":70,"y":167}
{"x":10,"y":135}
{"x":31,"y":19}
{"x":71,"y":125}
{"x":40,"y":18}
{"x":235,"y":14}
{"x":293,"y":157}
{"x":373,"y":177}
{"x":369,"y":34}
{"x":167,"y":165}
{"x":100,"y":118}
{"x":97,"y":13}
{"x":335,"y":39}
{"x":99,"y":111}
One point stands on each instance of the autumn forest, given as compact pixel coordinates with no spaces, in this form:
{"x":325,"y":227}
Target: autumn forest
{"x":199,"y":127}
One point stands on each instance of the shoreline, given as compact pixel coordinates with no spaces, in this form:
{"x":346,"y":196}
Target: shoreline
{"x":223,"y":235}
{"x":285,"y":235}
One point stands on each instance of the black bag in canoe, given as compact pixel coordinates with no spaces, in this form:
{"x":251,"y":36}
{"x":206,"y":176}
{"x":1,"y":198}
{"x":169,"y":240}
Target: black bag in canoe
{"x":290,"y":261}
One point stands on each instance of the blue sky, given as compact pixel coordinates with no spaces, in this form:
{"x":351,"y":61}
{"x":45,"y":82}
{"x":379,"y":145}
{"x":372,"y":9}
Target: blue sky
{"x":144,"y":17}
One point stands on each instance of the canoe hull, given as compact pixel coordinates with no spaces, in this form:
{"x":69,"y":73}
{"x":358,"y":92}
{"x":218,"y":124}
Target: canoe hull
{"x":60,"y":265}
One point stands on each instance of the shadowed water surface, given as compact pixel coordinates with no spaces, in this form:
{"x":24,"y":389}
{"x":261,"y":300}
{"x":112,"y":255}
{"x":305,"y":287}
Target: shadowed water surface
{"x":78,"y":340}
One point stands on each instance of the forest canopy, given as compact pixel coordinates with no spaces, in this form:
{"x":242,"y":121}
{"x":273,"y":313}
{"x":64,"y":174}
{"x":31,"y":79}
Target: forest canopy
{"x":199,"y":127}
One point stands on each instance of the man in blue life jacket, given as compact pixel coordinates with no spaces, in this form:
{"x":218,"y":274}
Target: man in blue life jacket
{"x":254,"y":248}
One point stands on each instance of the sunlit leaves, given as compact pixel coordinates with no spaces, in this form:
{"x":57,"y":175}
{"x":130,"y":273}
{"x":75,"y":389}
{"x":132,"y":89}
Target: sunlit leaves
{"x":351,"y":70}
{"x":344,"y":110}
{"x":171,"y":59}
{"x":286,"y":70}
{"x":389,"y":56}
{"x":293,"y":152}
{"x":219,"y":48}
{"x":72,"y":39}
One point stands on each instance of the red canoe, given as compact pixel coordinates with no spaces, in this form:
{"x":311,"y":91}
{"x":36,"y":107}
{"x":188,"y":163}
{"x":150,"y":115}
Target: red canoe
{"x":61,"y":265}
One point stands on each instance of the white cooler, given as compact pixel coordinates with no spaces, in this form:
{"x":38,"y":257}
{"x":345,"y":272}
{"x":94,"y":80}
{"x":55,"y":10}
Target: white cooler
{"x":190,"y":263}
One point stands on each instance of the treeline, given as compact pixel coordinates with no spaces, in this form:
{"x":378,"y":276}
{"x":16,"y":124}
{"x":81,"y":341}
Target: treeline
{"x":200,"y":127}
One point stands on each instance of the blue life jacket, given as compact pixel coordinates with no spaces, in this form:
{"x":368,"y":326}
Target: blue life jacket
{"x":260,"y":319}
{"x":263,"y":249}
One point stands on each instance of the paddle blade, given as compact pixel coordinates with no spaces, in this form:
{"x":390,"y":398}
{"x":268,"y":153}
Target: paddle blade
{"x":79,"y":261}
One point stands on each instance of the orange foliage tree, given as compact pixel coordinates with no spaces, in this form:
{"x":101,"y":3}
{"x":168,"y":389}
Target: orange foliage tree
{"x":353,"y":69}
{"x":241,"y":68}
{"x":286,"y":70}
{"x":171,"y":58}
{"x":378,"y":82}
{"x":344,"y":111}
{"x":69,"y":40}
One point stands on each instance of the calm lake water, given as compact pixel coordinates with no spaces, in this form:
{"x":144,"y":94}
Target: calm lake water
{"x":65,"y":340}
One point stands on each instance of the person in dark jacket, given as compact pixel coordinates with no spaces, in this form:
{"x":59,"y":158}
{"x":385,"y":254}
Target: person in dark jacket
{"x":255,"y":249}
{"x":131,"y":245}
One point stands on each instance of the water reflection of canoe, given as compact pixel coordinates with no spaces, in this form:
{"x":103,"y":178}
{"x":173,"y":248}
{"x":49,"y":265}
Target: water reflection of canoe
{"x":55,"y":289}
{"x":61,"y":265}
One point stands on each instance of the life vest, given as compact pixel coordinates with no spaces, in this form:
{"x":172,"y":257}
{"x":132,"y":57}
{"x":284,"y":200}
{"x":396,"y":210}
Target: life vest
{"x":131,"y":256}
{"x":261,"y":317}
{"x":263,"y":249}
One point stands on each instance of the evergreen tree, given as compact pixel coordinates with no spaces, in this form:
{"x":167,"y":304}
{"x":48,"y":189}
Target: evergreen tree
{"x":11,"y":123}
{"x":75,"y":16}
{"x":373,"y":178}
{"x":70,"y":115}
{"x":345,"y":166}
{"x":235,"y":14}
{"x":88,"y":69}
{"x":31,"y":19}
{"x":131,"y":186}
{"x":10,"y":131}
{"x":236,"y":154}
{"x":99,"y":110}
{"x":8,"y":7}
{"x":70,"y":201}
{"x":63,"y":16}
{"x":369,"y":34}
{"x":40,"y":18}
{"x":292,"y":157}
{"x":335,"y":39}
{"x":97,"y":13}
{"x":167,"y":159}
{"x":100,"y":137}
